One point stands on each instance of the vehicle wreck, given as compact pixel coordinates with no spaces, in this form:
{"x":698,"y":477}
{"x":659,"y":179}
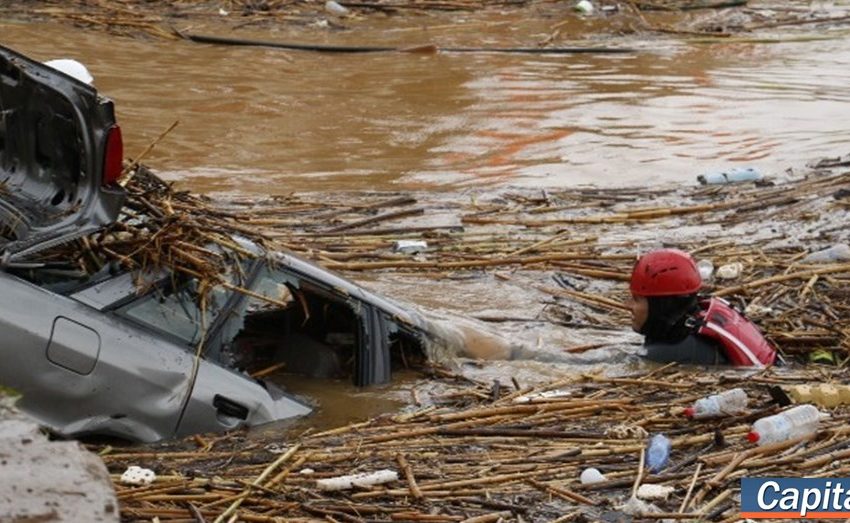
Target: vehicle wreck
{"x":136,"y":311}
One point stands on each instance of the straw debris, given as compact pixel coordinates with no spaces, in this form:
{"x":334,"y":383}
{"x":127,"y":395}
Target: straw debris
{"x":475,"y":458}
{"x":481,"y":452}
{"x":577,"y":246}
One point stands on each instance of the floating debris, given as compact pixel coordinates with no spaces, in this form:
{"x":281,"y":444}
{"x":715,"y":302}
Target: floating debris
{"x":471,"y":457}
{"x":577,"y":246}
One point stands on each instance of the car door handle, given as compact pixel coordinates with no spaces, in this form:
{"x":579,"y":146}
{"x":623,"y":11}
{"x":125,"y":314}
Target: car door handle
{"x":227,"y":407}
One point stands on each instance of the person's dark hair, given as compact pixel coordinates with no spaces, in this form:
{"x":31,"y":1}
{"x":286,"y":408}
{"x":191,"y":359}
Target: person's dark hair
{"x":668,"y":315}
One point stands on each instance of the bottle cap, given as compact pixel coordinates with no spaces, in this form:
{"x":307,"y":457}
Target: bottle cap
{"x":689,"y":412}
{"x":753,"y":437}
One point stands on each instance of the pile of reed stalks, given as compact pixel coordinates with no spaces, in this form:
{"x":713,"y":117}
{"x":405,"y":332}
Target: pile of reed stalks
{"x":487,"y":452}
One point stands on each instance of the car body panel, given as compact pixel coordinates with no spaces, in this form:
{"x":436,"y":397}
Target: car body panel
{"x":135,"y":390}
{"x":215,"y":385}
{"x":304,"y":268}
{"x":53,"y":132}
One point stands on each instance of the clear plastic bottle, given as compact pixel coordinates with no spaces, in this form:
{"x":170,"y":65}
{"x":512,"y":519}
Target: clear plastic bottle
{"x":658,"y":453}
{"x":793,"y":423}
{"x":726,"y":403}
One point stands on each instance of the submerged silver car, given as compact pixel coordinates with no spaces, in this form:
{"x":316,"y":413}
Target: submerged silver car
{"x":92,"y":354}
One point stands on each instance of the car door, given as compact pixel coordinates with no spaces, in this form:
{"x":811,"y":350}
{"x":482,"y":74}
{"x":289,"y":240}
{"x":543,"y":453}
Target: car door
{"x":214,"y":398}
{"x":81,"y":372}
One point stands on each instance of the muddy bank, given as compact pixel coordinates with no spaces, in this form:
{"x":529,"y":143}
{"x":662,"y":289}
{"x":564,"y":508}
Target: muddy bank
{"x":690,"y":18}
{"x":49,"y":481}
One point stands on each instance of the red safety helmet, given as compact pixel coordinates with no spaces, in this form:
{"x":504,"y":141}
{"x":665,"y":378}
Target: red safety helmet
{"x":665,"y":272}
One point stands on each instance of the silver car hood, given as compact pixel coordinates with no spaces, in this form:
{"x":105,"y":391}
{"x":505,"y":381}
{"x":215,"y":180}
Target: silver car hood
{"x":53,"y":133}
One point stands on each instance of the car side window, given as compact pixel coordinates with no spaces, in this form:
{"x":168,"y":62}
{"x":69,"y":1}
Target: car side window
{"x":176,"y":311}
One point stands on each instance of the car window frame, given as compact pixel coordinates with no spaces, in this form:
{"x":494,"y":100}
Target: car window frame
{"x":361,"y":309}
{"x":168,"y":282}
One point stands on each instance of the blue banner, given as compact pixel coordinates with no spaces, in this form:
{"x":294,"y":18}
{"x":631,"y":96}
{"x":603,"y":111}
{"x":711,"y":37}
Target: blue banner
{"x":795,"y":498}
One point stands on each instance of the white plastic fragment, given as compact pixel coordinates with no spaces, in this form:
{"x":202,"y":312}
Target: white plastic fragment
{"x":137,"y":476}
{"x":755,"y":310}
{"x":636,"y":507}
{"x":706,"y":269}
{"x":730,"y":271}
{"x":222,"y":12}
{"x":837,"y":253}
{"x":357,"y":480}
{"x":72,"y":68}
{"x":306,"y":472}
{"x":625,"y":431}
{"x":410,"y":246}
{"x":584,"y":7}
{"x":651,"y":491}
{"x":545,"y":395}
{"x":335,"y":8}
{"x":590,"y":476}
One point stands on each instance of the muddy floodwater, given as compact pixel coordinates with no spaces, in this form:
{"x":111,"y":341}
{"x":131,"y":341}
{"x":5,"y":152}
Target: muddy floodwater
{"x":265,"y":121}
{"x":261,"y":121}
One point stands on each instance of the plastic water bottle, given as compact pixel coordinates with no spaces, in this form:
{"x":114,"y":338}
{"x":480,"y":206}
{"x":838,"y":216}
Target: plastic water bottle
{"x":801,"y":420}
{"x":658,"y":453}
{"x":726,"y":403}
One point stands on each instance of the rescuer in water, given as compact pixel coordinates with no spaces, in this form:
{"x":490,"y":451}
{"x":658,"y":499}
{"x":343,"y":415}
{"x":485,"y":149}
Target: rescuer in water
{"x":683,"y":327}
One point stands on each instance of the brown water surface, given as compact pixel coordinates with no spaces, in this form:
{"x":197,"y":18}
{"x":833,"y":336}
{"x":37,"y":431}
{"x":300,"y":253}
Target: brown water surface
{"x":257,"y":120}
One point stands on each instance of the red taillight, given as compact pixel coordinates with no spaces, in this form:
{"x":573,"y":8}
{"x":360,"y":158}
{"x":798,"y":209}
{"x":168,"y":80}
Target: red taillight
{"x":112,"y":163}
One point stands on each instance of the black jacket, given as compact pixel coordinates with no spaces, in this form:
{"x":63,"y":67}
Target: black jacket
{"x":694,"y":349}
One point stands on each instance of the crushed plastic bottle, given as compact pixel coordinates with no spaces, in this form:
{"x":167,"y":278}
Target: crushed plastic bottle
{"x":706,"y":269}
{"x":799,"y":421}
{"x":837,"y":253}
{"x":733,"y":175}
{"x":658,"y":453}
{"x":727,"y":403}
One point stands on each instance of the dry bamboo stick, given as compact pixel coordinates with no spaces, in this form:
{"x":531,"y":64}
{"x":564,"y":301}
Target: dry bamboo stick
{"x":408,"y":474}
{"x":563,"y":493}
{"x":690,"y":489}
{"x":489,"y":518}
{"x":231,"y":510}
